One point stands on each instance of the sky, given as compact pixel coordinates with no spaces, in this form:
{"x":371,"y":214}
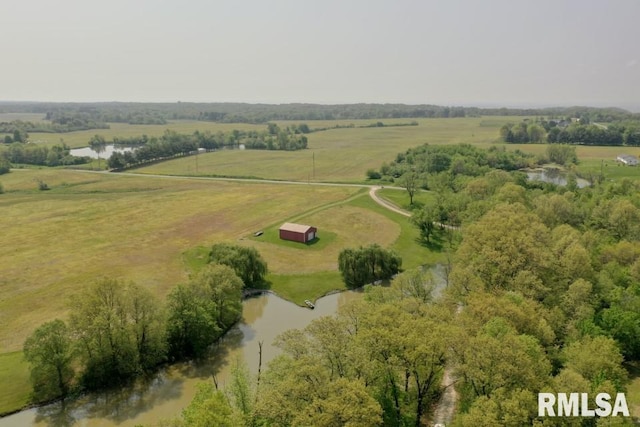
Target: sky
{"x":445,"y":52}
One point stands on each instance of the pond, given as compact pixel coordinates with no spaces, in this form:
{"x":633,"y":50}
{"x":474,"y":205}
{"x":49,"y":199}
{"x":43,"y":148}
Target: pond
{"x":166,"y":393}
{"x":108,"y":151}
{"x":554,"y":176}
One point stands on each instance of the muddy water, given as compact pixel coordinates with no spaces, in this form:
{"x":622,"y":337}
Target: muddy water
{"x":165,"y":394}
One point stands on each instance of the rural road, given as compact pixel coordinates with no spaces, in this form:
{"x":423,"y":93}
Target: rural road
{"x":372,"y":188}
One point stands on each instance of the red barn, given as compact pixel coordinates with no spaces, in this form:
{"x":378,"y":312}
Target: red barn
{"x":298,"y":232}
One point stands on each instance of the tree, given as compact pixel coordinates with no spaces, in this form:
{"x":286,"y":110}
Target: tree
{"x":507,"y":249}
{"x":562,"y":154}
{"x":119,"y":330}
{"x":98,"y":144}
{"x":410,"y":182}
{"x":425,"y":219}
{"x":225,"y":290}
{"x":209,"y":407}
{"x":49,"y":350}
{"x":245,"y":261}
{"x":485,"y":360}
{"x":597,"y":359}
{"x":5,"y":166}
{"x":147,"y":323}
{"x":192,"y":324}
{"x":343,"y":402}
{"x":367,"y":265}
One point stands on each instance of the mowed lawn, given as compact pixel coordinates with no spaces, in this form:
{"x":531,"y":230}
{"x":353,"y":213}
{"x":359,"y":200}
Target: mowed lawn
{"x":135,"y":228}
{"x":337,"y":155}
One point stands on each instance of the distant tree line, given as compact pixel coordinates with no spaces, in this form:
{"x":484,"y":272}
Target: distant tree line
{"x":172,"y":144}
{"x":565,"y":131}
{"x":66,"y":124}
{"x":159,"y":113}
{"x":117,"y":331}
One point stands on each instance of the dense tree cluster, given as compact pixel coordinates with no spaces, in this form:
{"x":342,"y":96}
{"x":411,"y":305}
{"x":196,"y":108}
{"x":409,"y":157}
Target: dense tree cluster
{"x":461,"y":159}
{"x":172,"y":144}
{"x":117,"y":331}
{"x":379,"y":361}
{"x":568,"y":132}
{"x":33,"y":154}
{"x":367,"y":265}
{"x":548,"y":278}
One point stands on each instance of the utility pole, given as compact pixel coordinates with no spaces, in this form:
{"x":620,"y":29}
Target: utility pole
{"x":314,"y":165}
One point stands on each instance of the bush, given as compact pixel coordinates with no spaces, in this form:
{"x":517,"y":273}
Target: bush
{"x":42,"y":186}
{"x":373,"y":174}
{"x":5,"y":166}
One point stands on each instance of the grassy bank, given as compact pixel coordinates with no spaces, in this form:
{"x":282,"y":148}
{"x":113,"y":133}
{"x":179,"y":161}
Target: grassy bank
{"x":14,"y":377}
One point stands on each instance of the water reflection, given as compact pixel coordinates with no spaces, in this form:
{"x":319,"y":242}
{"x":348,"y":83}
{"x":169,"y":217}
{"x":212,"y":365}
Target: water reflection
{"x":108,"y":151}
{"x":554,"y":176}
{"x":164,"y":394}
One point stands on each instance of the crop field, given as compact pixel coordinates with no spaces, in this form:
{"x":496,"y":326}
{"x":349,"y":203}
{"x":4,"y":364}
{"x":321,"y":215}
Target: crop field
{"x":81,"y":138}
{"x":339,"y":155}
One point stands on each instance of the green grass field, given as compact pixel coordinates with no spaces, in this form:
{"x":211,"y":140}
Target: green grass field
{"x":14,"y":377}
{"x":338,"y":155}
{"x":81,"y":138}
{"x":400,"y":198}
{"x":91,"y":225}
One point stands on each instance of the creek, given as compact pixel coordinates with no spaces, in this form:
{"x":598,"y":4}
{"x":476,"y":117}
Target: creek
{"x":166,"y":393}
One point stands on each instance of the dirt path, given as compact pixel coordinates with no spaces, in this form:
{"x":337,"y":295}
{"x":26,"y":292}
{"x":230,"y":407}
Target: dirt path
{"x":447,"y":405}
{"x":384,"y":203}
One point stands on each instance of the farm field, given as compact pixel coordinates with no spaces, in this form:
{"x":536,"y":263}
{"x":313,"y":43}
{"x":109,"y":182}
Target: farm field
{"x":339,"y":155}
{"x":81,"y":138}
{"x":91,"y":225}
{"x":345,"y":154}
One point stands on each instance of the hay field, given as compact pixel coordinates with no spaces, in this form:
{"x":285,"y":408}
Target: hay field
{"x":91,"y":225}
{"x":340,"y":155}
{"x":81,"y":138}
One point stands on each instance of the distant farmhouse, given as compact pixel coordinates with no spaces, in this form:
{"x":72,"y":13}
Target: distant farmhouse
{"x":298,"y":232}
{"x":627,"y":160}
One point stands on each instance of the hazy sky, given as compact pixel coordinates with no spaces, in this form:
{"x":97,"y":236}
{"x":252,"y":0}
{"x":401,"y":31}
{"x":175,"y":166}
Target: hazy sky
{"x":453,"y":52}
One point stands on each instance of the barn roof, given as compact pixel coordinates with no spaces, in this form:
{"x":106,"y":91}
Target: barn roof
{"x":297,"y":228}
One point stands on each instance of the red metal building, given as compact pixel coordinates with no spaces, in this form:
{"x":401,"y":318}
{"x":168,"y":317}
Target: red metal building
{"x":298,"y":232}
